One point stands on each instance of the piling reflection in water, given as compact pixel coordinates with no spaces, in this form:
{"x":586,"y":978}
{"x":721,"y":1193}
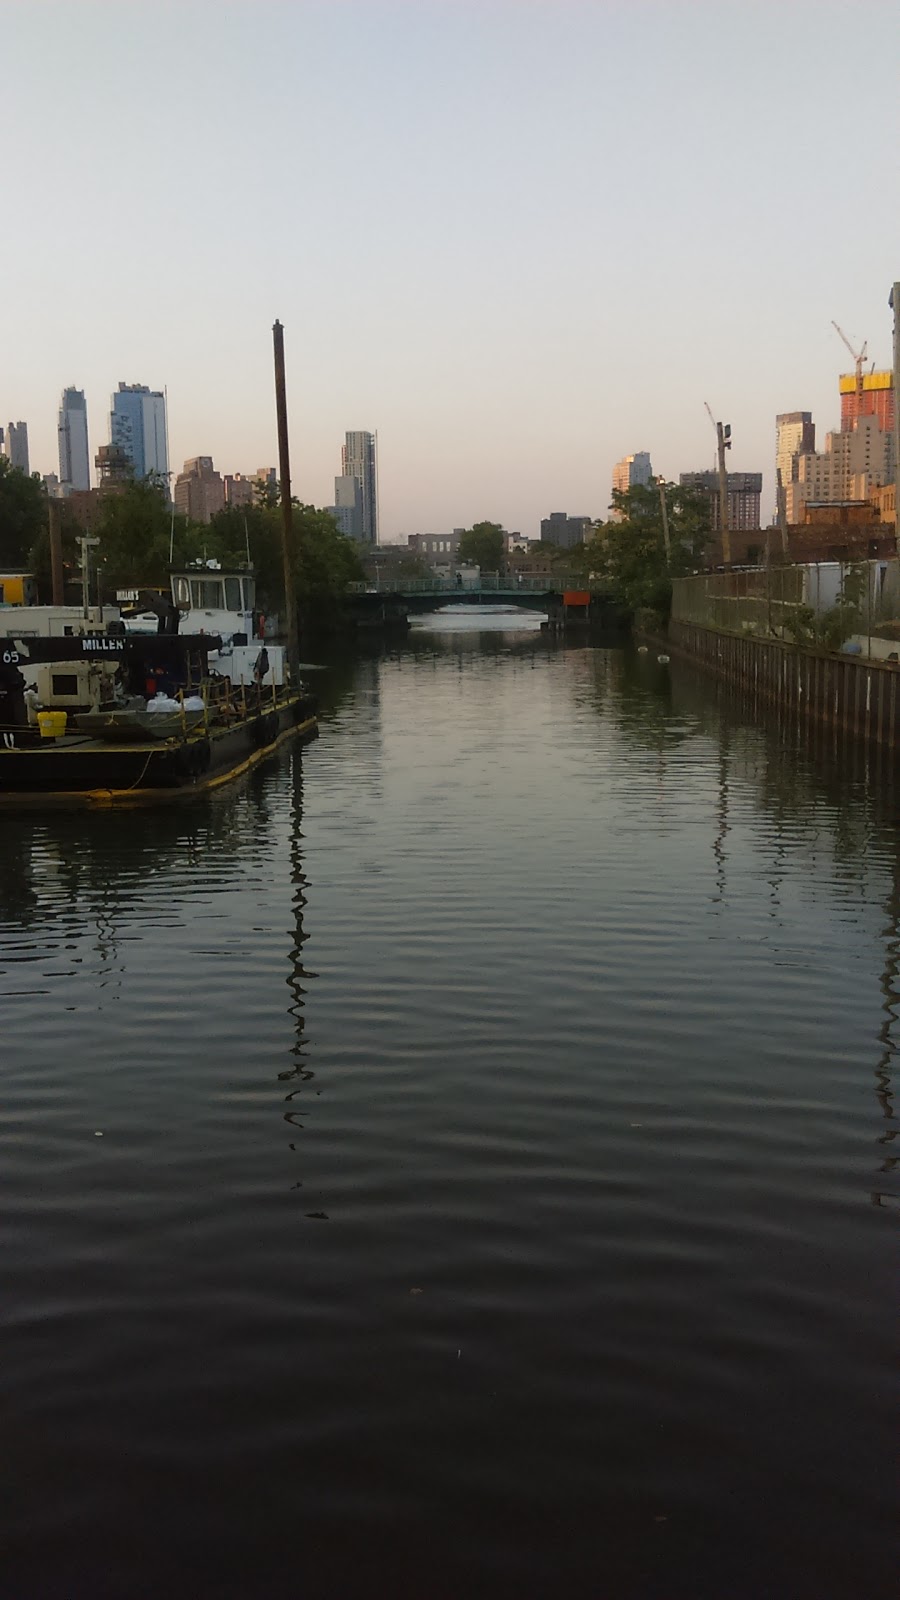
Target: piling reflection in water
{"x":496,"y":1153}
{"x":299,"y":1074}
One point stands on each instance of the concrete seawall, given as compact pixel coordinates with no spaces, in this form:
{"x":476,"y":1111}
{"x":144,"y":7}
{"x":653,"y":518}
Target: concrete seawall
{"x":854,"y":697}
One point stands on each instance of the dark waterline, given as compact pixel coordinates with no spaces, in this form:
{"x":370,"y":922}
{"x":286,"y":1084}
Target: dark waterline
{"x":458,"y":1160}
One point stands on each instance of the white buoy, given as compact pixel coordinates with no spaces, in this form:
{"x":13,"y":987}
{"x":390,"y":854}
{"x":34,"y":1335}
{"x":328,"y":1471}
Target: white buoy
{"x":663,"y":660}
{"x":642,"y":649}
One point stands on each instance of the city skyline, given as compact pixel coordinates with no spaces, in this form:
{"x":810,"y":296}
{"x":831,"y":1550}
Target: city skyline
{"x":875,"y":407}
{"x":504,"y":375}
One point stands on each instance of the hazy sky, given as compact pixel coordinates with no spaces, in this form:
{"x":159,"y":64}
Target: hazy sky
{"x":518,"y":239}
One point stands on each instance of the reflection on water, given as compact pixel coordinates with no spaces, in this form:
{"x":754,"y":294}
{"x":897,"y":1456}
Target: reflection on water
{"x":458,"y":1159}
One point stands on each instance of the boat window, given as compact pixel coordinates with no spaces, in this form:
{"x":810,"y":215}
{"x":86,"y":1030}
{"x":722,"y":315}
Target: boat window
{"x":206,"y":593}
{"x":183,"y":593}
{"x":232,"y":594}
{"x":249,"y":593}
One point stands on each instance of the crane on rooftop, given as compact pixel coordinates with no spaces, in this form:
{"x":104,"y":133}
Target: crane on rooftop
{"x":859,"y":357}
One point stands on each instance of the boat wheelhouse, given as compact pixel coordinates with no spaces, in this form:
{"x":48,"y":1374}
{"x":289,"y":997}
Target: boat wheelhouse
{"x":211,"y":599}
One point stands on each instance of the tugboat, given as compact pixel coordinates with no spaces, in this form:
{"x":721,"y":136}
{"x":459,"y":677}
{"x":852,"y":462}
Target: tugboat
{"x":110,"y":719}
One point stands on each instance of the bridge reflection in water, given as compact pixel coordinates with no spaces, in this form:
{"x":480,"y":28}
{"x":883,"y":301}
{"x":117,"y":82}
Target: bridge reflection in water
{"x":505,"y":584}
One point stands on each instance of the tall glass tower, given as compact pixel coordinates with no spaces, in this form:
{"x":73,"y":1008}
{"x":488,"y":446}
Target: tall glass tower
{"x":74,"y":456}
{"x":137,"y":423}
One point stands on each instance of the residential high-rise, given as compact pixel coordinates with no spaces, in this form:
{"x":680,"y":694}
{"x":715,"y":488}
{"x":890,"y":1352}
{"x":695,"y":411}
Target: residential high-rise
{"x":744,"y":492}
{"x":74,"y":456}
{"x":356,"y":510}
{"x":632,"y":470}
{"x":240,"y":491}
{"x":795,"y":436}
{"x":348,"y":507}
{"x":17,"y":445}
{"x":137,"y":423}
{"x":565,"y":531}
{"x":199,"y":490}
{"x":855,"y":461}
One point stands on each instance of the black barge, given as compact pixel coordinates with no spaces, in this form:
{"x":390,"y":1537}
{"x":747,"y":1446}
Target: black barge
{"x":118,"y":747}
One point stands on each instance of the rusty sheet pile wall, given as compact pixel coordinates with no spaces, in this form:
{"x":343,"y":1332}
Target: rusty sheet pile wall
{"x":856,"y":697}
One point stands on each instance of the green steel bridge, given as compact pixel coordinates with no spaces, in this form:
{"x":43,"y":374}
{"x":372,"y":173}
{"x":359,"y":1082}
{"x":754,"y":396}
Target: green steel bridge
{"x":503,"y":588}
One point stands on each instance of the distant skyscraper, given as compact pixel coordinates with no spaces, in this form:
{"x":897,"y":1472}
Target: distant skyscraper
{"x":744,"y":492}
{"x":239,"y":490}
{"x":632,"y":470}
{"x":855,"y":462}
{"x":74,"y":456}
{"x":348,"y":506}
{"x":565,"y":531}
{"x":137,"y":423}
{"x":199,"y":490}
{"x":356,"y":509}
{"x":795,"y":436}
{"x":17,"y":445}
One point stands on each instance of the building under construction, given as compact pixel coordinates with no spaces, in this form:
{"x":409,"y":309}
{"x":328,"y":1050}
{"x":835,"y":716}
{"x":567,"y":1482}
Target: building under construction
{"x":870,"y":396}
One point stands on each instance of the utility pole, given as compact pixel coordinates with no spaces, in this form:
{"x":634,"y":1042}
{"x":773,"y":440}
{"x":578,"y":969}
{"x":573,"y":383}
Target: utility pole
{"x":661,"y":486}
{"x":723,"y":435}
{"x":780,"y":501}
{"x":57,"y":574}
{"x":87,"y":544}
{"x":895,"y":308}
{"x":287,"y":534}
{"x":723,"y":443}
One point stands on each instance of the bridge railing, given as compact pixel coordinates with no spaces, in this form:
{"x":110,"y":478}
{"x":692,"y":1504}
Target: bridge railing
{"x":488,"y":583}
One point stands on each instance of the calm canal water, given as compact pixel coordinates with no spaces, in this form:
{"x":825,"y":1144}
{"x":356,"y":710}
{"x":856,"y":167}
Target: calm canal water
{"x":457,"y":1161}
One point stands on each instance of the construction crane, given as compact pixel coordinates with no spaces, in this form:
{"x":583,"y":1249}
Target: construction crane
{"x":723,"y":443}
{"x":858,"y":357}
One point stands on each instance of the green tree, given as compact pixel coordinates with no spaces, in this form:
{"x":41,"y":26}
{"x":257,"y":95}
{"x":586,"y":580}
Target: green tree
{"x":630,"y":550}
{"x":845,"y":617}
{"x":325,"y":562}
{"x":135,"y":532}
{"x":411,"y":566}
{"x":483,"y":545}
{"x":23,"y":514}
